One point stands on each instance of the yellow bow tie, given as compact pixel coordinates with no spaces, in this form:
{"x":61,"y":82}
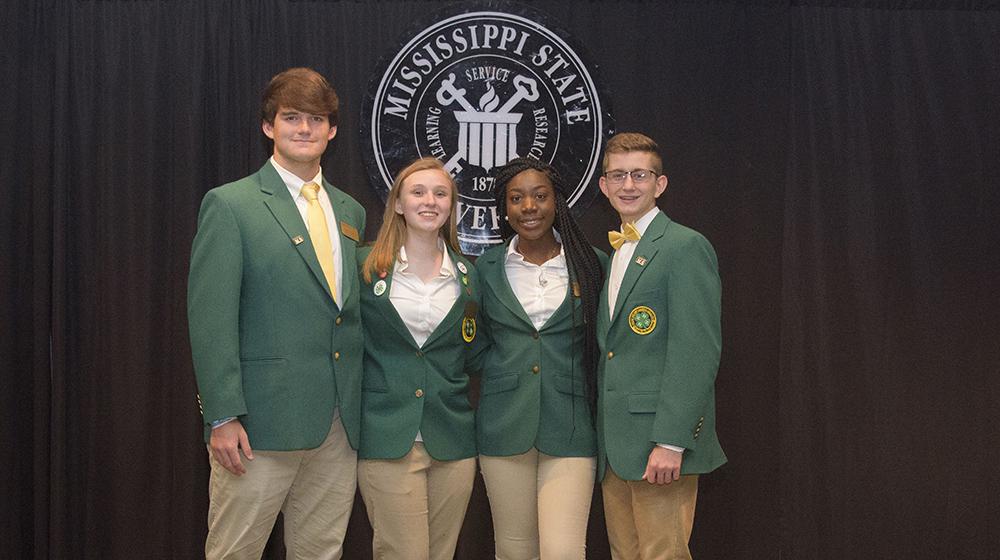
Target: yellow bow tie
{"x":628,"y":233}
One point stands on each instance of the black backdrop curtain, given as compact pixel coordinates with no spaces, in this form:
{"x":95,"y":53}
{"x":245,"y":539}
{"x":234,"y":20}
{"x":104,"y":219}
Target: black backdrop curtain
{"x":842,"y":160}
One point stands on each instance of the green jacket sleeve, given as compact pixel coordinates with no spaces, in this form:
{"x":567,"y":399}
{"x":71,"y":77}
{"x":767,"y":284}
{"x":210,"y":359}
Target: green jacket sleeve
{"x":694,"y":343}
{"x":213,"y":309}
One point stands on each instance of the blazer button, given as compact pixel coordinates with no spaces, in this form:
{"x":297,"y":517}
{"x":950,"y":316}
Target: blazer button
{"x":420,"y":354}
{"x":611,"y":355}
{"x":534,"y":335}
{"x":339,"y":320}
{"x":336,"y":356}
{"x":418,"y":393}
{"x":535,"y":369}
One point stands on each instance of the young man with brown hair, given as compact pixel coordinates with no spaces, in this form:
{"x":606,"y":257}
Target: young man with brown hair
{"x":658,"y":329}
{"x":276,"y":337}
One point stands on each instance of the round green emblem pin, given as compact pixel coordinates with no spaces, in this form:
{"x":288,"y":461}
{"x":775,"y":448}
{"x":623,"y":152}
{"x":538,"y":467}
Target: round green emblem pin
{"x":642,"y":320}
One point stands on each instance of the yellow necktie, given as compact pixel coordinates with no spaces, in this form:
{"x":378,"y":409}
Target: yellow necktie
{"x":628,"y":233}
{"x":320,"y":236}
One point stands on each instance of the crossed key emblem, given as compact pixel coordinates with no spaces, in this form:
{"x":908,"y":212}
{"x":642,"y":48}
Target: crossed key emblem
{"x":486,"y":138}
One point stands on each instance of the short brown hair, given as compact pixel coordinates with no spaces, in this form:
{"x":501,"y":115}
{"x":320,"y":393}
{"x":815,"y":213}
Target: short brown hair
{"x":303,"y":89}
{"x":633,"y":142}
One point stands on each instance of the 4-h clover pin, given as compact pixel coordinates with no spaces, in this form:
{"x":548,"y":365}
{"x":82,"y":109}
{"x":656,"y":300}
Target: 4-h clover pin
{"x":642,"y":320}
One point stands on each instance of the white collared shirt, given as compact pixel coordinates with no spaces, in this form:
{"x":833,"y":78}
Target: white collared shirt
{"x":421,"y":305}
{"x":294,"y":185}
{"x":540,"y":289}
{"x":621,"y":258}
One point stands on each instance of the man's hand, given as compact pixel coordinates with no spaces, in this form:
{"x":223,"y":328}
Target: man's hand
{"x":226,"y":442}
{"x":663,"y":466}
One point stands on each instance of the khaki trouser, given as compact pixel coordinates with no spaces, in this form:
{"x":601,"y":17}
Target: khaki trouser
{"x":416,"y":504}
{"x":314,"y":488}
{"x":540,"y":504}
{"x":649,"y":521}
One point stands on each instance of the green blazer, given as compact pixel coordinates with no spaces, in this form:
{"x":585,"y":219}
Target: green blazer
{"x":407,"y":387}
{"x":532,"y":392}
{"x":269,"y":344}
{"x":660,"y":354}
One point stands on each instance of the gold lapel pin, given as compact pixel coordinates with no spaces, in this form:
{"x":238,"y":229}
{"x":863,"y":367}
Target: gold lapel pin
{"x":298,"y":240}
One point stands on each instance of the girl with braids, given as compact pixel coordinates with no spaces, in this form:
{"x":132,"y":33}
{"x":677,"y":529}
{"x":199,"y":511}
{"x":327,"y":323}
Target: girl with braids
{"x":534,"y":425}
{"x":419,"y":297}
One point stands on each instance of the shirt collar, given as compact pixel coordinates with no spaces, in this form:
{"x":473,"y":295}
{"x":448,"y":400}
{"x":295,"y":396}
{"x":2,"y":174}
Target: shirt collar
{"x":643,"y":223}
{"x":513,"y":256}
{"x":292,"y":181}
{"x":447,"y":266}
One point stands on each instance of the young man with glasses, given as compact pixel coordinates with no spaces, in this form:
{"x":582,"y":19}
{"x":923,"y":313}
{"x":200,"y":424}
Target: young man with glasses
{"x":658,"y":329}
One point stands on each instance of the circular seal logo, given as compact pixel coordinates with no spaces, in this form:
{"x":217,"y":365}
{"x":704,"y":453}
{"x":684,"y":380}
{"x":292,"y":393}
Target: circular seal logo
{"x":475,"y":90}
{"x":642,"y":320}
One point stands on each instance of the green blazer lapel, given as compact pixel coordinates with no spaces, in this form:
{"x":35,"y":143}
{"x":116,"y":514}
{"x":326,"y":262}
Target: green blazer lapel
{"x":491,"y":270}
{"x":389,"y":312}
{"x":457,"y":310}
{"x":568,"y":303}
{"x":603,"y":321}
{"x":644,"y":252}
{"x":348,"y":245}
{"x":283,"y":208}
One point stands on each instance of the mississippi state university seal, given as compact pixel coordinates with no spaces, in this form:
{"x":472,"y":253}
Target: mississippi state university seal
{"x":475,"y":90}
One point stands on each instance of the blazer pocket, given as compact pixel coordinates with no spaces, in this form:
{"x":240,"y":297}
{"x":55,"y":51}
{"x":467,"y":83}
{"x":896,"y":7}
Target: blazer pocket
{"x":569,"y":386}
{"x":261,"y":366}
{"x":499,"y":384}
{"x":262,"y":361}
{"x":643,"y":403}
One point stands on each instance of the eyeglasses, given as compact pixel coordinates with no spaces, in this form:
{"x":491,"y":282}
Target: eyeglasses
{"x":638,"y":176}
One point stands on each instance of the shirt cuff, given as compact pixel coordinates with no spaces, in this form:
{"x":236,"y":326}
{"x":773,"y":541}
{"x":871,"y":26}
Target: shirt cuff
{"x":218,"y":423}
{"x":670,"y":447}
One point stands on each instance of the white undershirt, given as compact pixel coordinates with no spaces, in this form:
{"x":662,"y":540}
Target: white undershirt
{"x":294,"y":184}
{"x":540,"y":289}
{"x":621,"y":258}
{"x":421,"y":305}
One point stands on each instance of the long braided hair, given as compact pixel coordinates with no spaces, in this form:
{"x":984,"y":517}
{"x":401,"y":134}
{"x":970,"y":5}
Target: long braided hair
{"x":584,"y":267}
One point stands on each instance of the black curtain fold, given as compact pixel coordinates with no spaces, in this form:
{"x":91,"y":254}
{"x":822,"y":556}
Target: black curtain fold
{"x":887,"y":198}
{"x":841,"y":158}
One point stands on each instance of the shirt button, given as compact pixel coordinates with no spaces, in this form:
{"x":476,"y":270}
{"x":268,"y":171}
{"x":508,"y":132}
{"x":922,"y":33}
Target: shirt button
{"x":535,"y":369}
{"x":336,"y":356}
{"x":339,"y":320}
{"x":611,"y":355}
{"x":418,"y":393}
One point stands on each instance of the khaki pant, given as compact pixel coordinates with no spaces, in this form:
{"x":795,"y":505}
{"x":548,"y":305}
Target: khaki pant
{"x":416,"y":504}
{"x":540,"y":504}
{"x":649,"y":521}
{"x":314,"y":488}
